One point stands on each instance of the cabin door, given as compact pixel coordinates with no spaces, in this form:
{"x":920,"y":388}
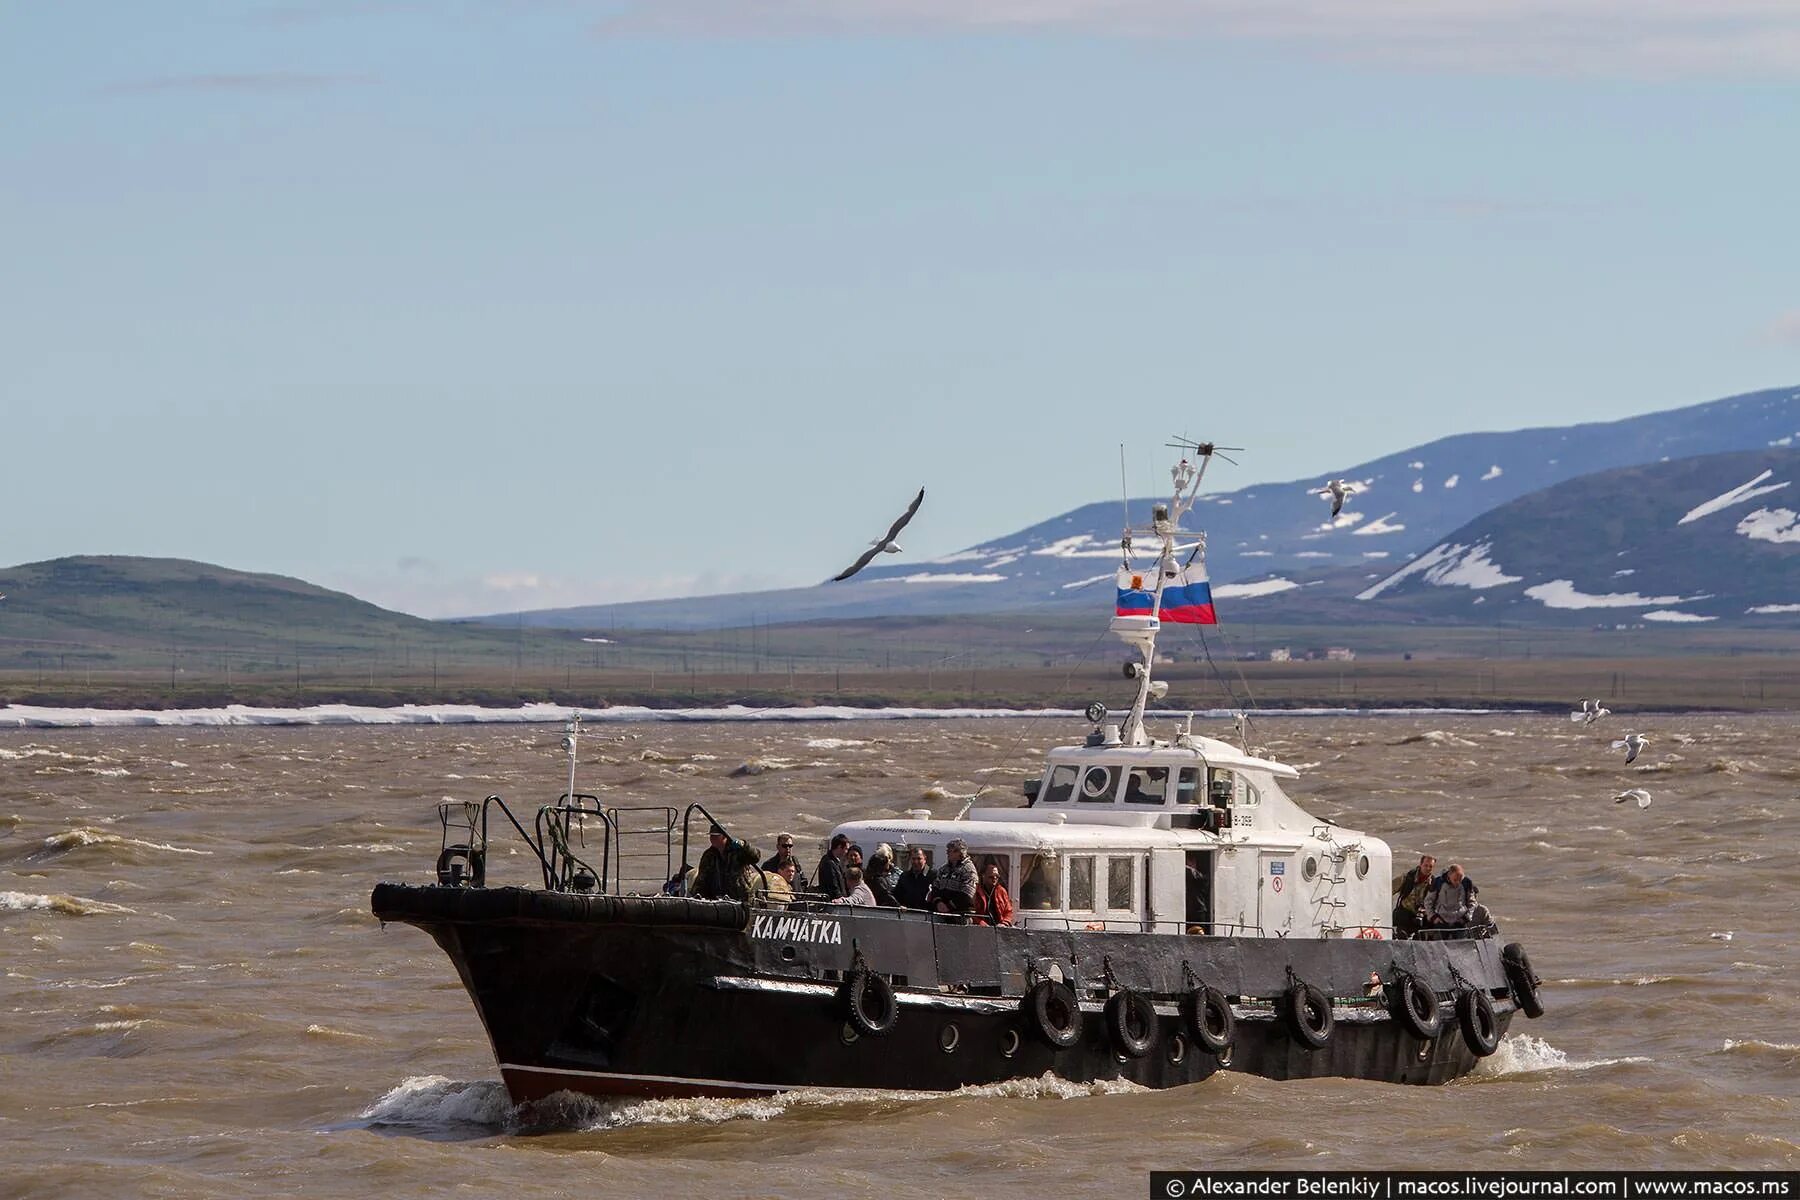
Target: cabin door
{"x":1274,"y":892}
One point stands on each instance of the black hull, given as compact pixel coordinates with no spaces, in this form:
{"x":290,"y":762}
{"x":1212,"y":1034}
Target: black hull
{"x":673,"y":997}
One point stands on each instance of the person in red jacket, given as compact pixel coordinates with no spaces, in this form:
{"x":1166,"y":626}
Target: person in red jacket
{"x":992,"y":905}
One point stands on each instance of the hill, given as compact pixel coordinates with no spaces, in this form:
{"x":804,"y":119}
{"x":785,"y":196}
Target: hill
{"x":1410,"y":501}
{"x":1696,"y":540}
{"x":121,"y":611}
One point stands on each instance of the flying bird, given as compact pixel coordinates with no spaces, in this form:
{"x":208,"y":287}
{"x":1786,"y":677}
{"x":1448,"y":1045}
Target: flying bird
{"x":885,"y":544}
{"x":1639,"y":794}
{"x":1633,"y":745}
{"x":1335,"y":491}
{"x":1589,"y":712}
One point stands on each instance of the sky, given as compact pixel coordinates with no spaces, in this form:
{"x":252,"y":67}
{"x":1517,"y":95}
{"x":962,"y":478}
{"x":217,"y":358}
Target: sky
{"x":471,"y":307}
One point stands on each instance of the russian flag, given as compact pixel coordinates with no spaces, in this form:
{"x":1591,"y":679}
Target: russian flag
{"x":1137,"y":597}
{"x":1187,"y":597}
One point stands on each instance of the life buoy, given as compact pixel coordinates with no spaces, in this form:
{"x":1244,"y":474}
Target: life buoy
{"x":1308,"y":1013}
{"x":1052,"y":1013}
{"x":1480,"y":1030}
{"x":1415,"y":1005}
{"x":1209,"y":1019}
{"x":1131,"y":1019}
{"x":476,"y":860}
{"x":1522,"y":979}
{"x":869,"y":1002}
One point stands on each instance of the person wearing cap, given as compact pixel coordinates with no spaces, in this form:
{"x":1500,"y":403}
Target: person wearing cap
{"x":830,"y":876}
{"x":784,"y":849}
{"x":727,"y":870}
{"x":953,"y":891}
{"x":881,"y":876}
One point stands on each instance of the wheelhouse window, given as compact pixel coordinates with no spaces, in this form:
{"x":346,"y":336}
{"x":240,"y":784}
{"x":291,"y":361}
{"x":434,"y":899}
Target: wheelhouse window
{"x":1146,"y":785}
{"x":1097,"y":784}
{"x":1187,"y":786}
{"x":1062,"y":786}
{"x":1081,"y":883}
{"x":1119,"y":881}
{"x":1040,"y":882}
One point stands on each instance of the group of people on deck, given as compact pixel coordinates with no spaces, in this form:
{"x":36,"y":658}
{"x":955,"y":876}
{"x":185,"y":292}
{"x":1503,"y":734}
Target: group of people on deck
{"x":1425,"y":901}
{"x":729,"y":870}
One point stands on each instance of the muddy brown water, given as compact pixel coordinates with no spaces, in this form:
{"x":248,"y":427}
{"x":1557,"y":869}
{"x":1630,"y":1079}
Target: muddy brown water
{"x":197,"y":1003}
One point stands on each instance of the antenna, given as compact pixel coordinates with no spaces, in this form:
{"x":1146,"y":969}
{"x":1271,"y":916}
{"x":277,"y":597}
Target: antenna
{"x":571,"y":735}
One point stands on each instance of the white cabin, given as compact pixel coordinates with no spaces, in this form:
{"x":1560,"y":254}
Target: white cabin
{"x":1189,"y":836}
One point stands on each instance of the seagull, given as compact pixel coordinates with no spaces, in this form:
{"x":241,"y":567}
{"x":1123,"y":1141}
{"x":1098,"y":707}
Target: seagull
{"x":1336,"y":490}
{"x":1639,"y":794}
{"x":1633,"y":744}
{"x":1589,"y":712}
{"x":885,"y":544}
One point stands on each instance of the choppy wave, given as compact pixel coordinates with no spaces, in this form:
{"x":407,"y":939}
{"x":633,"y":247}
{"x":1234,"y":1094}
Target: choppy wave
{"x":1522,"y":1054}
{"x":434,"y":1104}
{"x":25,"y":716}
{"x":69,"y":906}
{"x":84,"y":837}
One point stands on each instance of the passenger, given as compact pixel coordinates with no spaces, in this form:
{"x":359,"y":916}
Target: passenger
{"x":1409,"y":895}
{"x":856,"y":856}
{"x":830,"y":878}
{"x":953,"y":891}
{"x":859,"y":893}
{"x":992,"y":905}
{"x":781,"y":882}
{"x":784,"y":848}
{"x":881,"y":877}
{"x":727,"y":870}
{"x":1449,"y":901}
{"x":914,"y":884}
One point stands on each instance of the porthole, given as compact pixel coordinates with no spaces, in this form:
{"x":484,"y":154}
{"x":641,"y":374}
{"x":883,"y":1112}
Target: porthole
{"x":948,"y":1039}
{"x":789,"y":954}
{"x":1097,"y":784}
{"x":1362,"y":867}
{"x":1009,"y":1043}
{"x":1177,"y":1048}
{"x":1309,"y":870}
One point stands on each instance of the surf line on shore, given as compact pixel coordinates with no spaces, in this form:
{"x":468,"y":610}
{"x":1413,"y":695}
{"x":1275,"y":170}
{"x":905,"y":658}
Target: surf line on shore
{"x":22,"y":716}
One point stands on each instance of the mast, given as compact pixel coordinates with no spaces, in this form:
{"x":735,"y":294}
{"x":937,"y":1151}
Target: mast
{"x":1140,"y":632}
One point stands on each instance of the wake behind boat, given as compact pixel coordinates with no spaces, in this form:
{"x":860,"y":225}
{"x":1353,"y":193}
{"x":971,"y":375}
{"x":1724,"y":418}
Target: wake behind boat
{"x":1178,"y":914}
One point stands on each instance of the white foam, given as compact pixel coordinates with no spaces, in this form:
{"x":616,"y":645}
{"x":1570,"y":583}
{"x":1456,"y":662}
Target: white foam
{"x":1522,"y":1054}
{"x":73,"y":906}
{"x":1736,"y":495}
{"x":25,"y":716}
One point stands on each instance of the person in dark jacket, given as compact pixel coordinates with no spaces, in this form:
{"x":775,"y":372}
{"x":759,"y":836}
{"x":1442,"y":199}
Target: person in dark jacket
{"x":1409,"y":896}
{"x":784,"y":849}
{"x":726,"y":869}
{"x":829,"y":882}
{"x":881,"y":876}
{"x":914,"y":884}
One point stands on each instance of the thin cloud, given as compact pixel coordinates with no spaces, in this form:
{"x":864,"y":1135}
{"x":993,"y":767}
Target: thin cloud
{"x":1784,"y":329}
{"x":1656,"y":38}
{"x":264,"y":81}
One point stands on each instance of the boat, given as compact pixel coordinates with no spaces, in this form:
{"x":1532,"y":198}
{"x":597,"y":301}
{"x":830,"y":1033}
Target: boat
{"x":1178,"y":914}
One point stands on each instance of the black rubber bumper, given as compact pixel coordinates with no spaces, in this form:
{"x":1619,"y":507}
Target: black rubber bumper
{"x":425,"y":905}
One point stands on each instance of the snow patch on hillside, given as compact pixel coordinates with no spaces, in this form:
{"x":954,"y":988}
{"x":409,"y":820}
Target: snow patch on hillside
{"x":1737,"y":495}
{"x":1448,"y":565}
{"x":1562,"y":593}
{"x":942,"y":577}
{"x":1672,"y":616}
{"x":1380,"y":525}
{"x":1771,"y":524}
{"x":1774,"y":608}
{"x":1493,"y":472}
{"x":1246,"y":591}
{"x":1453,"y":481}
